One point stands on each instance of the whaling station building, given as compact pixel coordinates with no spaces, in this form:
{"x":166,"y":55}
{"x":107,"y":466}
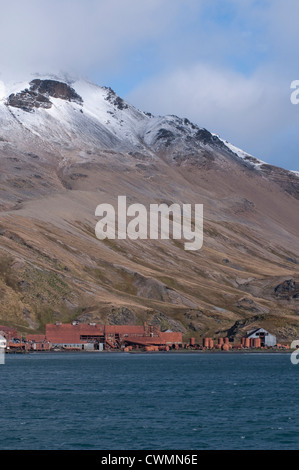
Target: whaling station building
{"x":258,"y":338}
{"x":94,"y":337}
{"x":90,"y":337}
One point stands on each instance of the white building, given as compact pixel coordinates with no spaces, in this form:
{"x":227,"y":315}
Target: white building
{"x":266,"y":338}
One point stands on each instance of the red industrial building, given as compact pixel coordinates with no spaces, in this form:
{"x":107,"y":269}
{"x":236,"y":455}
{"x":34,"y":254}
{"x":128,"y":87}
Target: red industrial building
{"x":8,"y":332}
{"x":81,"y":336}
{"x":37,"y":343}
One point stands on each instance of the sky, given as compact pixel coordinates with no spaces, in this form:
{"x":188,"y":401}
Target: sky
{"x":226,"y":65}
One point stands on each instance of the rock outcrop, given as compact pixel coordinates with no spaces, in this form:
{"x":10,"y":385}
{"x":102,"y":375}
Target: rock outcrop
{"x":287,"y":290}
{"x":39,"y":93}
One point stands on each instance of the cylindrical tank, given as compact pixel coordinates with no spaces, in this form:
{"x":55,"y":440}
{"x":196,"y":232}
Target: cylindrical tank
{"x":192,"y":341}
{"x":226,"y":340}
{"x":252,"y":342}
{"x":243,"y":341}
{"x":206,"y":342}
{"x":247,"y":343}
{"x":211,"y":343}
{"x":257,"y":342}
{"x":220,"y":341}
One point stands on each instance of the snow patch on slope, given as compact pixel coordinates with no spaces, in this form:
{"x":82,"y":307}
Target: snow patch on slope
{"x":253,"y":161}
{"x":244,"y":155}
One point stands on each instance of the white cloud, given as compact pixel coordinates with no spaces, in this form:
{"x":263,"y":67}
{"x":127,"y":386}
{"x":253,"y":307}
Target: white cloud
{"x":75,"y":35}
{"x":248,"y":111}
{"x":225,"y":64}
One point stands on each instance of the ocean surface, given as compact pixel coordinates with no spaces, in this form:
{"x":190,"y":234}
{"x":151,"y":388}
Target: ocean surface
{"x":158,"y":401}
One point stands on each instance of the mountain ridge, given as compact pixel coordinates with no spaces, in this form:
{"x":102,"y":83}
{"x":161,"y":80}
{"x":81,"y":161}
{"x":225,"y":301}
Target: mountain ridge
{"x":59,"y":162}
{"x":181,"y":125}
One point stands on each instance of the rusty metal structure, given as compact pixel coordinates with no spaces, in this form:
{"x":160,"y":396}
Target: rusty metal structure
{"x":8,"y":332}
{"x":92,"y":336}
{"x":77,"y":336}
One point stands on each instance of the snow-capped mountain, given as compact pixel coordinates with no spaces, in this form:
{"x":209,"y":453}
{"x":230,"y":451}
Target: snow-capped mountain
{"x":55,"y":112}
{"x":80,"y":113}
{"x":67,"y":145}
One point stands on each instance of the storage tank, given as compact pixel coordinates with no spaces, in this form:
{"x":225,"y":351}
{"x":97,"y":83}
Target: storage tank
{"x":257,"y":342}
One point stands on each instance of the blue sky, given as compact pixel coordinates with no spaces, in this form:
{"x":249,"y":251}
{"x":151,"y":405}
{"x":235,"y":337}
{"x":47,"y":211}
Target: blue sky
{"x":238,"y":42}
{"x":227,"y":65}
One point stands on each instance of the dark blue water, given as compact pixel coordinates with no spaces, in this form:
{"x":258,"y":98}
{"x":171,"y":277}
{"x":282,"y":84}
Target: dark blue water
{"x":156,"y":401}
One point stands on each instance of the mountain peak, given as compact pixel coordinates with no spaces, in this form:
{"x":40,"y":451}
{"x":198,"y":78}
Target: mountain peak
{"x":77,"y":114}
{"x":39,"y":93}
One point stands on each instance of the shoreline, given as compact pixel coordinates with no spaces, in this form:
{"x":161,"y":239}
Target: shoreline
{"x":195,"y":351}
